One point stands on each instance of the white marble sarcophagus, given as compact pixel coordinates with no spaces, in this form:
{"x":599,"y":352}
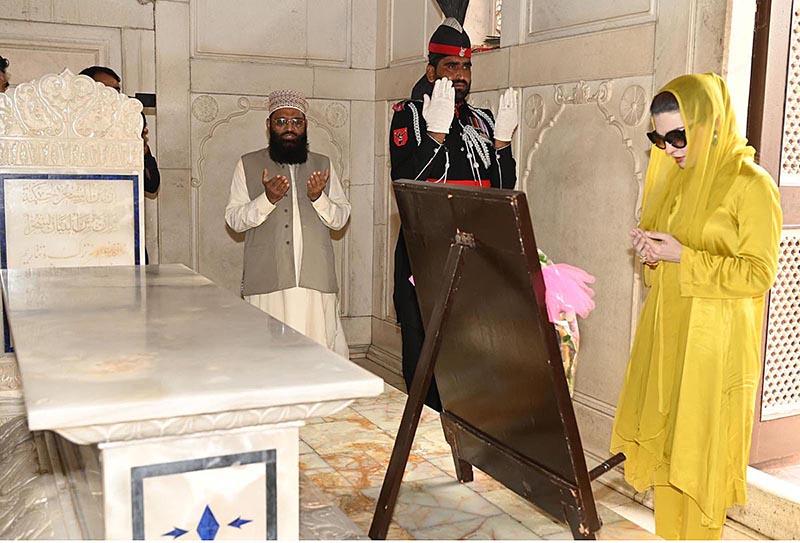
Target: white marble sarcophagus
{"x":156,"y":404}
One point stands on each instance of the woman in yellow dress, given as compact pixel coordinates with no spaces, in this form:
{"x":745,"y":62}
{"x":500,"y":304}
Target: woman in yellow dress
{"x":709,"y":236}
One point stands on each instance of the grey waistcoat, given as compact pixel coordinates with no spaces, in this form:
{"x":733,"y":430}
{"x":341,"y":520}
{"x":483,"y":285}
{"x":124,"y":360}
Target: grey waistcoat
{"x":269,"y":248}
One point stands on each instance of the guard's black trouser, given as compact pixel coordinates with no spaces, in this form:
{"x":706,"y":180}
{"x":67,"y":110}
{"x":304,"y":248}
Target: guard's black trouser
{"x":412,"y":330}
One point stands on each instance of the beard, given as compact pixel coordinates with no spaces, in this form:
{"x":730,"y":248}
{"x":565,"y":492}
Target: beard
{"x":461,"y":94}
{"x":288,"y":151}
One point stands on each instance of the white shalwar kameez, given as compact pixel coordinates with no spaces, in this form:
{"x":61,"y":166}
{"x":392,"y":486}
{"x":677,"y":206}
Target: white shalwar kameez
{"x":310,"y":312}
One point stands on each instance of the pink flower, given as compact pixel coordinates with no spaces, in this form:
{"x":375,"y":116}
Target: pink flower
{"x":566,"y":292}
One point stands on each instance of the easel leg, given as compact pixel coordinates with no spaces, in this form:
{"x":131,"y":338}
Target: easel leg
{"x":578,"y":530}
{"x":463,"y":468}
{"x":416,"y":397}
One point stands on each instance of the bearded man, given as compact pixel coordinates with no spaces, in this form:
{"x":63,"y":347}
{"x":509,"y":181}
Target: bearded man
{"x":438,"y":136}
{"x":286,"y":200}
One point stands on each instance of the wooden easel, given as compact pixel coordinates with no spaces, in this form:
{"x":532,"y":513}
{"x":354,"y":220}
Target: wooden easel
{"x":564,"y":492}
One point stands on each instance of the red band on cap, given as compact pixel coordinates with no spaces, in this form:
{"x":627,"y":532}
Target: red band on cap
{"x":450,"y":50}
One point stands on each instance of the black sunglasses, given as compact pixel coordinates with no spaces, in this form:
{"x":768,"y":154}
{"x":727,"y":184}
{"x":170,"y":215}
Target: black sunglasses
{"x":676,"y":138}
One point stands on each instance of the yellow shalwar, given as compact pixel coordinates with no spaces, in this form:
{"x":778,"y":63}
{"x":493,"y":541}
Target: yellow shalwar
{"x":685,"y":413}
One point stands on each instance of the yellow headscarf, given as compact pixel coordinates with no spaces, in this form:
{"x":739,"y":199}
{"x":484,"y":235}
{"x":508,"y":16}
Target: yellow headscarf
{"x":715,"y":152}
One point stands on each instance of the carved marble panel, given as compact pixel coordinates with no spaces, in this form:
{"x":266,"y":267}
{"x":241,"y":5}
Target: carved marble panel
{"x":69,"y":121}
{"x":69,"y":220}
{"x":582,"y":166}
{"x":120,"y":13}
{"x":70,"y":174}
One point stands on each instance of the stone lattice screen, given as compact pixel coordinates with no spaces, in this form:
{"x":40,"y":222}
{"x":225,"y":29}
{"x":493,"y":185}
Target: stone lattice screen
{"x":781,"y":391}
{"x":790,"y":159}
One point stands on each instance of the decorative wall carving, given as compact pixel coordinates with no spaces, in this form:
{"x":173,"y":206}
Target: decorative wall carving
{"x":633,"y":105}
{"x":245,"y":106}
{"x":336,"y":115}
{"x":68,"y":120}
{"x":534,"y":111}
{"x":581,"y":93}
{"x":205,"y":108}
{"x":583,"y":171}
{"x":128,"y":431}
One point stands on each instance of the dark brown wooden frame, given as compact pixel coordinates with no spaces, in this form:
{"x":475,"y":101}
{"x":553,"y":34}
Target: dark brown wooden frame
{"x":565,"y":499}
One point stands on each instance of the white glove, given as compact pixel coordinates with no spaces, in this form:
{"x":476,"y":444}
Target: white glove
{"x":439,"y":108}
{"x":507,"y":118}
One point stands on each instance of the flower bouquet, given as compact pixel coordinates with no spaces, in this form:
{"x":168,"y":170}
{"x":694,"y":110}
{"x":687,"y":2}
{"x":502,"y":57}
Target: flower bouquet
{"x":567,"y":296}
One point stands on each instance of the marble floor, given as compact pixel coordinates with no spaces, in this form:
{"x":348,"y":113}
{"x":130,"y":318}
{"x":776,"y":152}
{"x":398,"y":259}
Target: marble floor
{"x":787,"y":469}
{"x":346,"y":456}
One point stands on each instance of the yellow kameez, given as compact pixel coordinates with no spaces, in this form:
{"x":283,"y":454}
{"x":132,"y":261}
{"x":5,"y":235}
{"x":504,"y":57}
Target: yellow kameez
{"x":685,"y":413}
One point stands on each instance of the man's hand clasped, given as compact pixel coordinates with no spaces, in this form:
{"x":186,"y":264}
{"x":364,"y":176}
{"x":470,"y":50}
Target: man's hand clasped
{"x":316,"y":184}
{"x":653,"y":247}
{"x":439,"y":108}
{"x":507,"y":118}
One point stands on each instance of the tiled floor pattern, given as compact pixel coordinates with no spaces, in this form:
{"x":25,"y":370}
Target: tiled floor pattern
{"x":346,"y":456}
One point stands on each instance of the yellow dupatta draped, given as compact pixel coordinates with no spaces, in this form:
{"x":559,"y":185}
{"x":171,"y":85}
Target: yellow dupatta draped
{"x":685,"y":413}
{"x":716,"y":151}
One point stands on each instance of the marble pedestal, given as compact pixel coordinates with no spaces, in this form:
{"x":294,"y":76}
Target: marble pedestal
{"x":176,"y":405}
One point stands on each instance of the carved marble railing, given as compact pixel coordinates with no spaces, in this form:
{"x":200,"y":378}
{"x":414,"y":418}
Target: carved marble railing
{"x":66,"y":120}
{"x":178,"y":426}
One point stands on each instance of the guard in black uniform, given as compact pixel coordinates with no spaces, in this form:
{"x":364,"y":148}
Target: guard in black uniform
{"x":442,"y":139}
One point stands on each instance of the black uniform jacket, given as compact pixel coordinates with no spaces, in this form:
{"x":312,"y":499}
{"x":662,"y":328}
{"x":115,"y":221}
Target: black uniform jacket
{"x":467,"y":156}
